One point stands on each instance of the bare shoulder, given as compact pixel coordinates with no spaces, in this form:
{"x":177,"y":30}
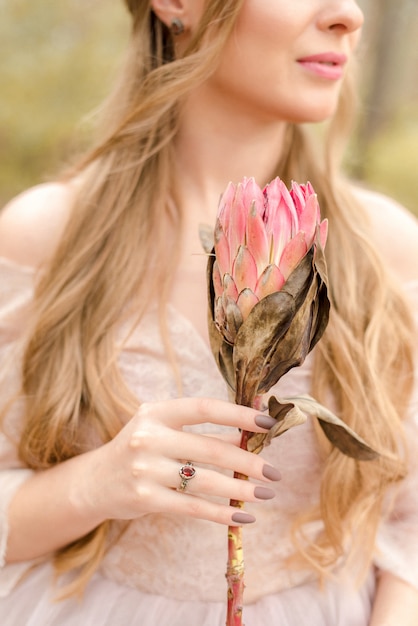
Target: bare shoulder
{"x":32,"y":223}
{"x":395,"y":232}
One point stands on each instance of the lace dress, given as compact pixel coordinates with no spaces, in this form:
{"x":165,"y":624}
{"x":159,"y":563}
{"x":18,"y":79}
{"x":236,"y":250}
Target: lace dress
{"x":169,"y":570}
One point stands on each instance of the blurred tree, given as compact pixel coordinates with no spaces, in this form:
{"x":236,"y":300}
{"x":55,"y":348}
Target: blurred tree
{"x":385,"y":148}
{"x":392,"y":62}
{"x":56,"y":66}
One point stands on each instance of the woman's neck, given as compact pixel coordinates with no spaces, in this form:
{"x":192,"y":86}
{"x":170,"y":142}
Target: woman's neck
{"x":216,"y":145}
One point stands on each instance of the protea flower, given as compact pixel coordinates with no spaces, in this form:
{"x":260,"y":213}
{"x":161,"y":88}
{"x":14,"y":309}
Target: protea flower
{"x":267,"y":283}
{"x":268,"y":307}
{"x":260,"y":238}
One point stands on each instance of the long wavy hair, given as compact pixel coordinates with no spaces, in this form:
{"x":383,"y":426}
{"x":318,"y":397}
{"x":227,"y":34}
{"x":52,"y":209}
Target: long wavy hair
{"x":116,"y":238}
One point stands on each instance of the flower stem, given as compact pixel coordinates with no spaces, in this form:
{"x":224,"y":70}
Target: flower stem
{"x":235,"y":564}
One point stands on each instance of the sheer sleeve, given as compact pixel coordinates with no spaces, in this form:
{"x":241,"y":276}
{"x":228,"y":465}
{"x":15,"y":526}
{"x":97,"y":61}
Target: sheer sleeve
{"x":397,"y":541}
{"x":16,"y":290}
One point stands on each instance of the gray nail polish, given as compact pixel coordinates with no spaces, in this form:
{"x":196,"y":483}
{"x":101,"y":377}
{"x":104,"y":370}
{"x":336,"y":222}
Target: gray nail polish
{"x":271,"y":472}
{"x":264,"y":493}
{"x":243,"y":518}
{"x":265,"y":421}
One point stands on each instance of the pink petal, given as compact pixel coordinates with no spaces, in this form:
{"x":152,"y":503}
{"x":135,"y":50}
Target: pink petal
{"x":273,"y":191}
{"x":281,"y":218}
{"x":270,"y":281}
{"x":246,"y":302}
{"x":290,"y":205}
{"x":222,"y":249}
{"x":272,"y":195}
{"x":293,"y":254}
{"x":280,"y":231}
{"x":225,"y":204}
{"x":309,"y":189}
{"x":298,"y":193}
{"x":257,"y":240}
{"x":237,"y":221}
{"x":244,"y":269}
{"x":323,"y":232}
{"x":309,"y":219}
{"x":229,"y":287}
{"x":253,"y":196}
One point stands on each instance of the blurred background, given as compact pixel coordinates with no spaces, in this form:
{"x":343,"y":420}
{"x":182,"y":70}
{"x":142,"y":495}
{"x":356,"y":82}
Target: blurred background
{"x":59,"y":59}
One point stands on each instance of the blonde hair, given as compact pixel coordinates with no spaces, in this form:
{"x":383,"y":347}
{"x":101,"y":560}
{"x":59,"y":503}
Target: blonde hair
{"x":115,"y":251}
{"x":363,"y":365}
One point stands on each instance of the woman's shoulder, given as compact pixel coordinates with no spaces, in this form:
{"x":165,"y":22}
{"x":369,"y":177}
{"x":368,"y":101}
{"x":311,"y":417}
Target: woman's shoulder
{"x":394,"y":231}
{"x":32,"y":223}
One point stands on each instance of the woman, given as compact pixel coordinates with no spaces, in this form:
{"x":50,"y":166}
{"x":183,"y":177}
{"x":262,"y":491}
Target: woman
{"x":113,"y":387}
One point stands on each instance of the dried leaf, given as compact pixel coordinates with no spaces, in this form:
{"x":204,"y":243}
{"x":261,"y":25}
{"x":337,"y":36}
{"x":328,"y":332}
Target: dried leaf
{"x":292,"y":411}
{"x":206,"y":238}
{"x":319,"y":258}
{"x":320,"y":315}
{"x":257,"y":340}
{"x":280,"y":331}
{"x":299,"y":281}
{"x":287,"y":415}
{"x":222,"y":351}
{"x":321,"y":304}
{"x":233,"y":318}
{"x":338,"y":433}
{"x":293,"y":347}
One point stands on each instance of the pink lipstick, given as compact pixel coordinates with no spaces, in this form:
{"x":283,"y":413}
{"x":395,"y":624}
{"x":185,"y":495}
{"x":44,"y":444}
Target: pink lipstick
{"x":329,"y":65}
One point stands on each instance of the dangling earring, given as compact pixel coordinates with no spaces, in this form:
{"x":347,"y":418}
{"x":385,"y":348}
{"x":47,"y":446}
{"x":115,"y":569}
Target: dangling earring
{"x":177,"y":26}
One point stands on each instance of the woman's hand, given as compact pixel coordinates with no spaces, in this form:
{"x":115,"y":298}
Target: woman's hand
{"x":138,"y":471}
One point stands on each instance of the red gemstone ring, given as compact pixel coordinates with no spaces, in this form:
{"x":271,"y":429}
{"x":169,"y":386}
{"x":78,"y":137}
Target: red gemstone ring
{"x":186,"y":471}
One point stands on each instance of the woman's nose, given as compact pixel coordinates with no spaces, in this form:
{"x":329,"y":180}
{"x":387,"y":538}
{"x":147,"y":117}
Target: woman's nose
{"x":343,"y":16}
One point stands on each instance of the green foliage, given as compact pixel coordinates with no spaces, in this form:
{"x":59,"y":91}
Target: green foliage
{"x":57,"y":65}
{"x":391,"y":163}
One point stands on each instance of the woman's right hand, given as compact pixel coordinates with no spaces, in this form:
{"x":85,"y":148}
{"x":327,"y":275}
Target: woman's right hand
{"x":138,"y":471}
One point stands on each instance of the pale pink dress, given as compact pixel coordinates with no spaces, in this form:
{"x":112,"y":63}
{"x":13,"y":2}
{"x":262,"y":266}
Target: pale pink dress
{"x":169,"y":571}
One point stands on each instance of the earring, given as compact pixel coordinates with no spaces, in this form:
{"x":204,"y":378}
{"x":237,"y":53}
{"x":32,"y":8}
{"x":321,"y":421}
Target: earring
{"x":177,"y":26}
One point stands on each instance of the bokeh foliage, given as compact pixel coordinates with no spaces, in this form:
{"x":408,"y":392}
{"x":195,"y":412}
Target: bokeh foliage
{"x":57,"y":63}
{"x":59,"y":58}
{"x":391,"y":159}
{"x":386,"y":144}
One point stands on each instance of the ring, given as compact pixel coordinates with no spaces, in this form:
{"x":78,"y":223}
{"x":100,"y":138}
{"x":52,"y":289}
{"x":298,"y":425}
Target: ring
{"x":187,"y":472}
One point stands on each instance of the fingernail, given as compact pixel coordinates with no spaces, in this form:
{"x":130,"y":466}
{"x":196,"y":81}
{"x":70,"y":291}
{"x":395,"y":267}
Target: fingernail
{"x":243,"y":518}
{"x":265,"y":421}
{"x":271,"y":472}
{"x":264,"y":493}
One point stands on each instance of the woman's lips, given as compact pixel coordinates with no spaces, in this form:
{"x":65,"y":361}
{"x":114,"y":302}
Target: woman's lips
{"x":329,"y":65}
